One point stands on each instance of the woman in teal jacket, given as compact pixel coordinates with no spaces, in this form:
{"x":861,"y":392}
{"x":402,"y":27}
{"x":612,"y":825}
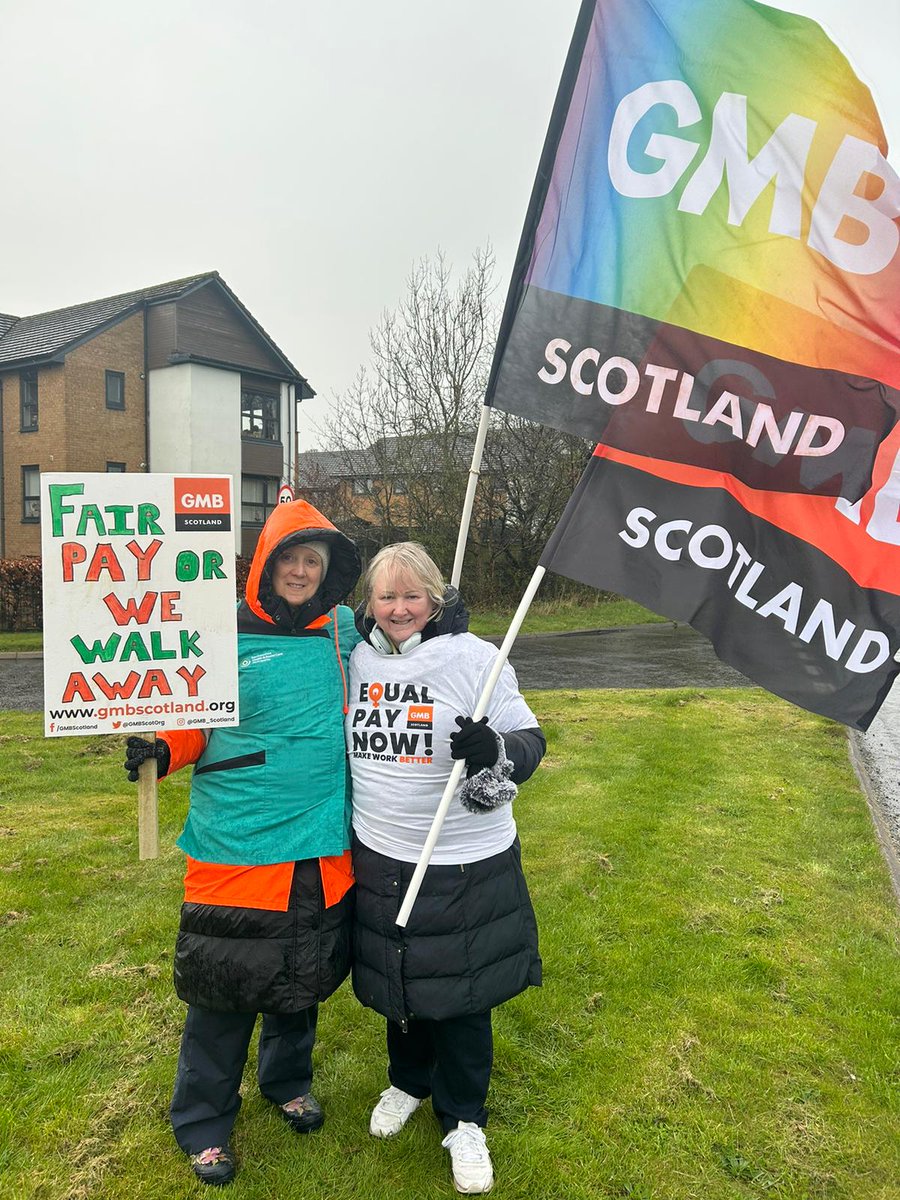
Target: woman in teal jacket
{"x":265,"y":924}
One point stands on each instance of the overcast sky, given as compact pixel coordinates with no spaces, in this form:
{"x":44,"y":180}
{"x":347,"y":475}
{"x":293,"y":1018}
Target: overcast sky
{"x":309,"y":152}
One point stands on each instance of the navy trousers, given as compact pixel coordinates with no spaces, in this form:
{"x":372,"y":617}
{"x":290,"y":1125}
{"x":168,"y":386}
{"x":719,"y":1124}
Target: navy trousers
{"x":450,"y":1061}
{"x":214,"y":1049}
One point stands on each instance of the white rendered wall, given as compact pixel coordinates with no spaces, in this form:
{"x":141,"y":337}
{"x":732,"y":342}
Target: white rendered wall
{"x":195,"y":421}
{"x":195,"y":425}
{"x":287,"y":432}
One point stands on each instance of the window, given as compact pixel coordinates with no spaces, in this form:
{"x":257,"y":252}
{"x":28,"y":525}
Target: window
{"x":115,"y":389}
{"x":260,"y":414}
{"x":361,"y":486}
{"x":259,"y":496}
{"x":115,"y":468}
{"x":400,"y":488}
{"x":31,"y":493}
{"x":28,"y":400}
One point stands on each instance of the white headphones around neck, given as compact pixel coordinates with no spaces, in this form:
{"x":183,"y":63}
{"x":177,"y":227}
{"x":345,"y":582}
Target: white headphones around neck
{"x":380,"y":642}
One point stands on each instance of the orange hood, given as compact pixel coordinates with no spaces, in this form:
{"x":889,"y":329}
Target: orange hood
{"x":287,"y":524}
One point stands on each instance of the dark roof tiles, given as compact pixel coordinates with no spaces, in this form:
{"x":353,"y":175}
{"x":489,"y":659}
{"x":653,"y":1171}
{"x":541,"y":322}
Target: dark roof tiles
{"x":411,"y":452}
{"x":49,"y":333}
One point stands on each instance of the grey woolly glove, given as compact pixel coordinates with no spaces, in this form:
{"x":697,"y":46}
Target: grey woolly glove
{"x":492,"y":786}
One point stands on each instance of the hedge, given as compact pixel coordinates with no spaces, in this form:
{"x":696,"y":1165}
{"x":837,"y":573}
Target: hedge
{"x":21,"y":604}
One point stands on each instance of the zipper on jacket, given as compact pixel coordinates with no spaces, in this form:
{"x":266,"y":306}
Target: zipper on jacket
{"x":404,"y":1020}
{"x":404,"y":1023}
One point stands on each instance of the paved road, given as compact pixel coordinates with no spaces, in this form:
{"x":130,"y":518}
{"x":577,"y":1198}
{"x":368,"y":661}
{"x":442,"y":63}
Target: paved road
{"x":643,"y":656}
{"x":876,"y":756}
{"x":22,"y":684}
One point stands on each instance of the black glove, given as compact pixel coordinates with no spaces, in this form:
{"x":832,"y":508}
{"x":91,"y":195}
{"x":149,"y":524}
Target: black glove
{"x":476,"y":742}
{"x":138,"y":750}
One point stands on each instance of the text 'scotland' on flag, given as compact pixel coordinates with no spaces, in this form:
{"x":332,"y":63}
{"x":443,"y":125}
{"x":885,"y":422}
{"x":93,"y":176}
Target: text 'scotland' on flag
{"x":708,"y":285}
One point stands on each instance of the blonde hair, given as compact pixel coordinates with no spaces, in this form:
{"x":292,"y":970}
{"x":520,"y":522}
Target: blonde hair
{"x":412,"y":560}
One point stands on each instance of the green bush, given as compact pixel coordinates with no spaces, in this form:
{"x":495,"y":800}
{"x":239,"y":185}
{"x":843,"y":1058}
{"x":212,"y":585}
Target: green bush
{"x":20,"y":594}
{"x":21,"y":602}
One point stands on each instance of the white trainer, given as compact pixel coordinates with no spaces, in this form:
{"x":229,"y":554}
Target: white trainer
{"x":469,"y":1158}
{"x":392,"y":1112}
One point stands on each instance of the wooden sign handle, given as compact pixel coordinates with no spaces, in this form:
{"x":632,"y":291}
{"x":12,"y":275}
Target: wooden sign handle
{"x":148,"y":806}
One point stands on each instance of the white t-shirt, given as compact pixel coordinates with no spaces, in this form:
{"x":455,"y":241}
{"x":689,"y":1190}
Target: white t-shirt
{"x":403,"y":708}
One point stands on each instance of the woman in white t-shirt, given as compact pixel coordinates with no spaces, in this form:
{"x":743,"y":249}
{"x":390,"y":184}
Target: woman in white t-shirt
{"x":471,"y":940}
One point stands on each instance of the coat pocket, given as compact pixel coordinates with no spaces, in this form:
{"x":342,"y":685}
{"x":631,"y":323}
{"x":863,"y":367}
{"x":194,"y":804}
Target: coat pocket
{"x":255,"y":759}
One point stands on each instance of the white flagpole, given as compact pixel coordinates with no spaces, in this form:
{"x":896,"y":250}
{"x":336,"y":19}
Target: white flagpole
{"x":466,"y":518}
{"x":480,"y":709}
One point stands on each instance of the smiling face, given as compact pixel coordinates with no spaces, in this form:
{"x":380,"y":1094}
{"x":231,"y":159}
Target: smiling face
{"x":297,"y":574}
{"x":400,"y":605}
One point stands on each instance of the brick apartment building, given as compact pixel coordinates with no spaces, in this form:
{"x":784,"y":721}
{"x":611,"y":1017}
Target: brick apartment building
{"x":179,"y":377}
{"x":379,"y":485}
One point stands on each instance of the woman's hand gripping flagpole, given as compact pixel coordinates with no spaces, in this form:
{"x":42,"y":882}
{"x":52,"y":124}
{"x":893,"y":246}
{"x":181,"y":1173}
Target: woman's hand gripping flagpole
{"x":458,"y":767}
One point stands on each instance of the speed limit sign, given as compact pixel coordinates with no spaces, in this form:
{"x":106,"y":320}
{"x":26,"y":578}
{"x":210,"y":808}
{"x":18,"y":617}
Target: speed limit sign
{"x":285,"y":494}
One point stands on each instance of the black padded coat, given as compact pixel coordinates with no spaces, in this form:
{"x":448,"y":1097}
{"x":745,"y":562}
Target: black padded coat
{"x":470,"y":943}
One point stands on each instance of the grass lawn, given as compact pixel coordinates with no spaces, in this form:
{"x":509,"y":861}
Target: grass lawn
{"x":547,"y":616}
{"x":720,"y":1017}
{"x":21,"y":641}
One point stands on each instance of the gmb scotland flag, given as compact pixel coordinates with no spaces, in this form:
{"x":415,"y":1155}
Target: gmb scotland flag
{"x":708,"y":285}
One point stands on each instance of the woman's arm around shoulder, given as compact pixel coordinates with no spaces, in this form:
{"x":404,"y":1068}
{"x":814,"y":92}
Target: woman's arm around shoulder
{"x":347,"y":634}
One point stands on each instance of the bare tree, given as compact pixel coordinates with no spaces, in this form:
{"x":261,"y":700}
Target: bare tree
{"x":534,"y":470}
{"x":400,"y":438}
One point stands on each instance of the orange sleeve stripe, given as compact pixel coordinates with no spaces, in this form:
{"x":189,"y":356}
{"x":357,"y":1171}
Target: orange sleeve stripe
{"x":337,"y":877}
{"x":267,"y":887}
{"x":185,"y":746}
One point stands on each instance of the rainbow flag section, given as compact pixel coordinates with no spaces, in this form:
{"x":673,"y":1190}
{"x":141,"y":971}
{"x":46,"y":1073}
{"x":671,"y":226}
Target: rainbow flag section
{"x":708,"y":285}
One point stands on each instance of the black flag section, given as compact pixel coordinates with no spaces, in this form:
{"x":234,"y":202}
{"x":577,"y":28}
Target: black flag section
{"x":654,"y":388}
{"x":774,"y":607}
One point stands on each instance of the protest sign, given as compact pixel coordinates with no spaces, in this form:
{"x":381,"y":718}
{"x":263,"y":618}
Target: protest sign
{"x":139,"y":603}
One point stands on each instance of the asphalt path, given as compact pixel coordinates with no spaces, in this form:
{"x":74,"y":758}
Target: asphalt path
{"x":876,"y":756}
{"x":642,"y":656}
{"x":22,"y":684}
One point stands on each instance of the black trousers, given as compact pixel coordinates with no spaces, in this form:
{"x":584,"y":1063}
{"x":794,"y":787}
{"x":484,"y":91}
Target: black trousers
{"x":214,"y":1048}
{"x":450,"y":1061}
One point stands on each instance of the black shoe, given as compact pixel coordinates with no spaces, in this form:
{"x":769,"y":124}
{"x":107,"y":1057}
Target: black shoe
{"x":303,"y":1114}
{"x":214,"y":1165}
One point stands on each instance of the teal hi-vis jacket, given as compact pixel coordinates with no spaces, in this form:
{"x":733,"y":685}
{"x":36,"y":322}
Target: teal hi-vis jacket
{"x":275,"y":788}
